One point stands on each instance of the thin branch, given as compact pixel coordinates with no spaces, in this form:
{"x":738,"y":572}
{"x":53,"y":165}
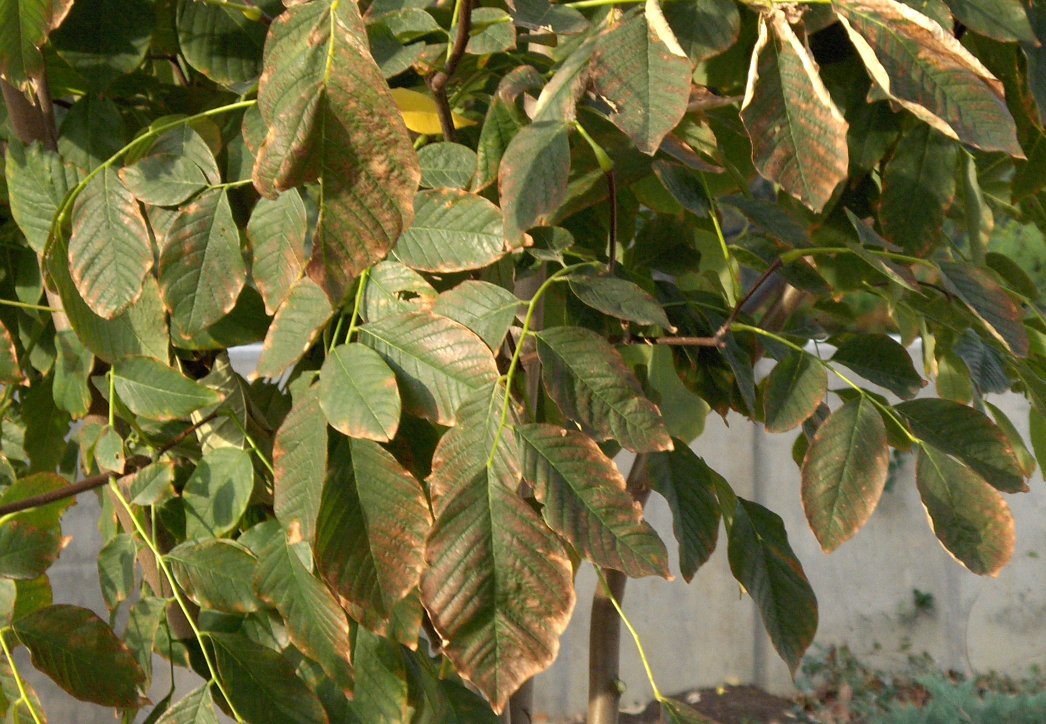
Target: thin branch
{"x":438,"y":80}
{"x":751,"y":292}
{"x":97,"y":481}
{"x":714,"y":341}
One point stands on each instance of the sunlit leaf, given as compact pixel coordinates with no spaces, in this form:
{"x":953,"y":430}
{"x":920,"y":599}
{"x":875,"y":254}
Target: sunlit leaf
{"x":24,"y":27}
{"x":532,"y":176}
{"x":486,"y":309}
{"x":276,"y":231}
{"x":72,"y":368}
{"x":216,"y":574}
{"x":794,"y":389}
{"x":446,"y":165}
{"x":619,"y":298}
{"x":37,"y":182}
{"x":420,"y":112}
{"x":297,"y":323}
{"x":452,"y":231}
{"x":394,"y":288}
{"x":299,"y":458}
{"x":358,"y":393}
{"x":152,"y":389}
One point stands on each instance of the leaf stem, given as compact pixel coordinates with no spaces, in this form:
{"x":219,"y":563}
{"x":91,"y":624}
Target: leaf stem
{"x":231,"y":185}
{"x":789,"y":256}
{"x":357,"y":304}
{"x":713,"y":214}
{"x":25,"y":305}
{"x":632,"y":631}
{"x":179,"y":599}
{"x":112,"y":397}
{"x":254,"y":447}
{"x":22,"y":693}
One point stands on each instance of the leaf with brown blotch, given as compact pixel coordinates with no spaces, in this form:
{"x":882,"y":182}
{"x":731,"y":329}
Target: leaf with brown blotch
{"x":798,"y":135}
{"x":295,"y":327}
{"x":927,"y":71}
{"x":24,"y":27}
{"x":276,"y":232}
{"x":978,"y":290}
{"x":330,"y":117}
{"x":299,"y":460}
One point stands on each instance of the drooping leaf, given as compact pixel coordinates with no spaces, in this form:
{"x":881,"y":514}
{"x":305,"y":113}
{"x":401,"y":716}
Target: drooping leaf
{"x":24,"y":27}
{"x":297,"y":323}
{"x":330,"y":116}
{"x":217,"y":492}
{"x":437,"y":361}
{"x":798,"y":135}
{"x":969,"y":517}
{"x":452,"y":231}
{"x":276,"y":231}
{"x":592,"y":384}
{"x":762,"y":560}
{"x":299,"y":458}
{"x":882,"y":361}
{"x":532,"y":176}
{"x":619,"y":298}
{"x":689,"y":486}
{"x":262,"y":684}
{"x":683,"y":411}
{"x":201,"y":268}
{"x":1021,"y":452}
{"x":676,"y":712}
{"x":844,"y":473}
{"x":644,"y":75}
{"x":794,"y":389}
{"x":927,"y":71}
{"x":381,"y":671}
{"x":370,"y":532}
{"x":143,"y":623}
{"x":196,"y":707}
{"x":585,"y":500}
{"x":394,"y":288}
{"x":358,"y":393}
{"x":989,"y":302}
{"x":968,"y":435}
{"x":216,"y":574}
{"x":502,"y":122}
{"x":37,"y":182}
{"x":221,"y":42}
{"x":82,"y":655}
{"x":109,"y":252}
{"x":116,"y":569}
{"x":104,"y":39}
{"x":446,"y":165}
{"x":72,"y":368}
{"x":485,"y":308}
{"x":704,"y":29}
{"x":152,"y":389}
{"x":444,"y":700}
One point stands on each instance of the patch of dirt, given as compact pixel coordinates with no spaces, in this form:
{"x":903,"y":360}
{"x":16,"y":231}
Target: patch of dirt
{"x":726,"y":705}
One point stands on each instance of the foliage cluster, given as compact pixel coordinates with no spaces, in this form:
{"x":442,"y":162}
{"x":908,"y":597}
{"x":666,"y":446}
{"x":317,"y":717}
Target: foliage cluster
{"x":486,"y":246}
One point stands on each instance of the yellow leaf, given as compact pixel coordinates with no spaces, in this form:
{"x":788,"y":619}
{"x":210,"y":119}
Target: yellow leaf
{"x":420,"y":113}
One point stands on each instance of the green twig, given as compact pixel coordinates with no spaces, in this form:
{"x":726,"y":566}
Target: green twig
{"x":25,"y":305}
{"x":22,"y":693}
{"x":254,"y":447}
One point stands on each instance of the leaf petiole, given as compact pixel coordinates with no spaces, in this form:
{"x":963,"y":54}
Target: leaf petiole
{"x":22,"y":693}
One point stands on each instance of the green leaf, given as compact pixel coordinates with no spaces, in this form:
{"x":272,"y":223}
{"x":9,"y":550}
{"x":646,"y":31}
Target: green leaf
{"x":689,"y":486}
{"x":918,"y":188}
{"x":276,"y":231}
{"x":116,"y":569}
{"x":393,"y":288}
{"x":298,"y":321}
{"x":896,"y":273}
{"x":452,"y":231}
{"x":683,"y":411}
{"x":676,"y":712}
{"x":153,"y":483}
{"x":82,"y":655}
{"x":220,"y":41}
{"x":299,"y":458}
{"x":882,"y":361}
{"x":165,"y":177}
{"x":261,"y":683}
{"x":217,"y":492}
{"x":330,"y":116}
{"x":502,"y":122}
{"x":644,"y":75}
{"x":927,"y":71}
{"x":143,"y":623}
{"x":31,"y":540}
{"x":24,"y":27}
{"x":446,"y":165}
{"x":358,"y":393}
{"x":72,"y":369}
{"x":1023,"y":455}
{"x":485,"y":308}
{"x":37,"y":182}
{"x":370,"y":532}
{"x":704,"y":29}
{"x":844,"y":473}
{"x":444,"y":700}
{"x":91,"y":132}
{"x":10,"y":372}
{"x":798,"y":135}
{"x":1003,"y":20}
{"x":968,"y":435}
{"x":619,"y":298}
{"x":969,"y":517}
{"x":315,"y":622}
{"x":592,"y":384}
{"x":532,"y":176}
{"x":683,"y":185}
{"x":794,"y":389}
{"x":196,"y":707}
{"x":437,"y":361}
{"x":109,"y":251}
{"x":487,"y":546}
{"x":763,"y":562}
{"x":1037,"y":435}
{"x":585,"y":500}
{"x":492,"y":33}
{"x":104,"y":39}
{"x":109,"y":453}
{"x":216,"y":574}
{"x":979,"y":291}
{"x":46,"y":427}
{"x":152,"y":389}
{"x":201,"y":269}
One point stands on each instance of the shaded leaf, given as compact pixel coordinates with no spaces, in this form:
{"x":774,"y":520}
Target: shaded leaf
{"x":370,"y":532}
{"x":991,"y":304}
{"x":927,"y":71}
{"x":676,"y":712}
{"x":116,"y":569}
{"x":10,"y":372}
{"x":798,"y":135}
{"x":968,"y":435}
{"x":220,"y":41}
{"x":585,"y":500}
{"x":452,"y":231}
{"x":91,"y":132}
{"x":794,"y":389}
{"x":25,"y":27}
{"x":82,"y":655}
{"x":217,"y":492}
{"x":196,"y":707}
{"x":358,"y":393}
{"x":619,"y":298}
{"x":297,"y":323}
{"x":153,"y":483}
{"x":446,"y":165}
{"x":109,"y":251}
{"x":882,"y":361}
{"x":1021,"y":452}
{"x":216,"y":574}
{"x":1003,"y":20}
{"x":315,"y":622}
{"x":276,"y":231}
{"x":143,"y":623}
{"x":72,"y":368}
{"x":31,"y":540}
{"x":439,"y":700}
{"x":168,"y":175}
{"x":299,"y":458}
{"x":437,"y":361}
{"x":104,"y":39}
{"x":704,"y":29}
{"x":532,"y":176}
{"x":382,"y":692}
{"x":689,"y":486}
{"x":763,"y":562}
{"x":592,"y":384}
{"x":262,"y":683}
{"x":844,"y":473}
{"x":503,"y":120}
{"x":152,"y":389}
{"x":485,"y":308}
{"x":37,"y":182}
{"x":969,"y":517}
{"x":898,"y":274}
